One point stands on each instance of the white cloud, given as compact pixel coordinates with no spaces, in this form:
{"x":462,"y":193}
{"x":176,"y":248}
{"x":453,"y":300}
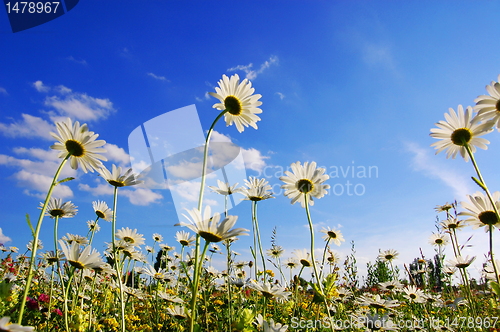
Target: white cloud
{"x":80,"y":106}
{"x":81,"y":62}
{"x":4,"y":238}
{"x":3,"y":91}
{"x":101,"y":189}
{"x":282,"y":96}
{"x":40,"y":87}
{"x":29,"y":126}
{"x":41,"y":184}
{"x":117,"y":154}
{"x":252,"y":74}
{"x":141,"y":196}
{"x":156,"y":77}
{"x":422,"y":162}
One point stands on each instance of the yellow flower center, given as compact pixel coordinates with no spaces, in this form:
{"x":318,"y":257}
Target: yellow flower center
{"x":116,"y":183}
{"x":497,"y":105}
{"x":438,"y":241}
{"x":305,"y":262}
{"x":210,"y":237}
{"x":389,"y":257}
{"x":461,"y":136}
{"x":488,"y":217}
{"x":77,"y":264}
{"x":184,"y":242}
{"x":332,"y":234}
{"x":75,"y":148}
{"x":233,"y":105}
{"x":100,"y":214}
{"x":56,"y":213}
{"x":128,"y":239}
{"x":305,"y":186}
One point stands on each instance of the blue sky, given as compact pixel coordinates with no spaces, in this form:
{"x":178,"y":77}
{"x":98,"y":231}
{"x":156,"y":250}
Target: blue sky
{"x":343,"y":83}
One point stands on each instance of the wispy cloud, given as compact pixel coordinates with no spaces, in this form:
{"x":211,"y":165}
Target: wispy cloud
{"x":3,"y":91}
{"x":30,"y":126}
{"x":40,"y":87}
{"x":156,"y":77}
{"x":81,"y":62}
{"x":4,"y":238}
{"x":250,"y":72}
{"x":282,"y":96}
{"x":423,"y":162}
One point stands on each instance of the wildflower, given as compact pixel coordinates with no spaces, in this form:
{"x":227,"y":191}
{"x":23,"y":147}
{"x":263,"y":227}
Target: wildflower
{"x":184,"y":238}
{"x":239,"y":102}
{"x":170,"y":298}
{"x":453,"y":223}
{"x":488,"y":107}
{"x":117,"y":179}
{"x":80,"y":143}
{"x":275,"y":251}
{"x":333,"y":235}
{"x":488,"y":270}
{"x":458,"y":131}
{"x":444,"y":208}
{"x":377,"y":302}
{"x":303,"y":257}
{"x":84,"y":259}
{"x":291,"y":263}
{"x":93,"y":226}
{"x":8,"y":327}
{"x":56,"y":208}
{"x":39,"y":245}
{"x":257,"y":190}
{"x":270,"y":326}
{"x":390,"y":285}
{"x":72,"y":238}
{"x":439,"y":239}
{"x":161,"y":274}
{"x":414,"y":294}
{"x":270,"y":291}
{"x":305,"y":179}
{"x":178,"y":312}
{"x":130,"y":236}
{"x":461,"y":262}
{"x":210,"y":228}
{"x":481,"y":212}
{"x":102,"y":210}
{"x":223,"y":188}
{"x":157,"y":237}
{"x":449,"y":270}
{"x":388,"y":255}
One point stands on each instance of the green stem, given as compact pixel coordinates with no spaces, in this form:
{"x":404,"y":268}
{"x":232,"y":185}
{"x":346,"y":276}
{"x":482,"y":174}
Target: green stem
{"x":316,"y":274}
{"x":196,"y":281}
{"x":35,"y":240}
{"x":493,"y":203}
{"x":256,"y":222}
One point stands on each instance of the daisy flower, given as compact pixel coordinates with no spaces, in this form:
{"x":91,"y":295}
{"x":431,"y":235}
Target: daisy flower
{"x":117,"y":179}
{"x":56,"y":208}
{"x":461,"y":262}
{"x":333,"y":235}
{"x":291,"y":263}
{"x":84,"y":259}
{"x":9,"y":327}
{"x":73,"y":238}
{"x":102,"y":210}
{"x":223,"y":188}
{"x":303,"y":257}
{"x":270,"y":290}
{"x":275,"y":251}
{"x":305,"y":179}
{"x":458,"y":131}
{"x":453,"y":223}
{"x":210,"y":227}
{"x":439,"y":239}
{"x":93,"y":226}
{"x":178,"y":312}
{"x":488,"y":107}
{"x":239,"y":102}
{"x":130,"y":236}
{"x":80,"y":143}
{"x":157,"y":237}
{"x":388,"y":255}
{"x":257,"y":189}
{"x":184,"y":238}
{"x":414,"y":294}
{"x":480,"y":210}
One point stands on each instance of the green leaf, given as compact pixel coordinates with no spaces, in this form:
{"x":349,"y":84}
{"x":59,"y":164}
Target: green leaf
{"x":479,"y":183}
{"x":65,"y":180}
{"x":495,"y":287}
{"x":29,"y":224}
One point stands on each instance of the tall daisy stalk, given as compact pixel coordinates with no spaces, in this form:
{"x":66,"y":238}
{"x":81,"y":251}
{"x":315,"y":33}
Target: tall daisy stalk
{"x":118,"y":179}
{"x":460,"y":134}
{"x":301,"y":185}
{"x":81,"y":147}
{"x":239,"y":106}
